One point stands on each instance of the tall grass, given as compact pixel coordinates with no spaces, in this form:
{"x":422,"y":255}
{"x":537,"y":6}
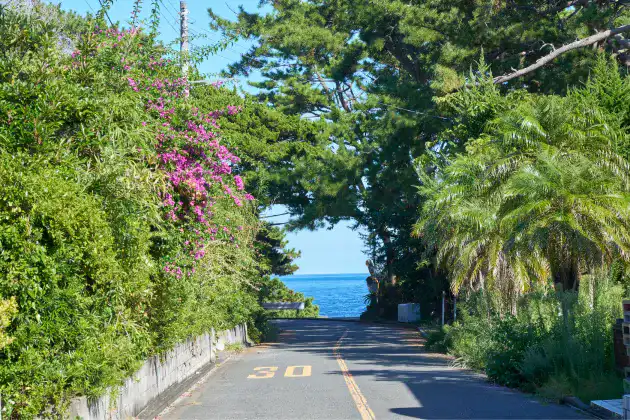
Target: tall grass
{"x":558,"y":343}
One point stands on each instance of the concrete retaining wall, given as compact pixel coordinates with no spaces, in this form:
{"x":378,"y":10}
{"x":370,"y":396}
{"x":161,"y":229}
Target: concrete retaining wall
{"x":156,"y":376}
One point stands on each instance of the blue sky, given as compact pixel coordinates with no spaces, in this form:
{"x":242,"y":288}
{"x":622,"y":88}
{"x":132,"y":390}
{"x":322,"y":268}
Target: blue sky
{"x":323,"y":252}
{"x":338,"y":250}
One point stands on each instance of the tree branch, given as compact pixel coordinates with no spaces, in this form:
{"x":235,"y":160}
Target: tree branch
{"x":563,"y":6}
{"x":105,"y":10}
{"x":600,"y":36}
{"x":274,"y":215}
{"x":341,"y":97}
{"x":322,"y":82}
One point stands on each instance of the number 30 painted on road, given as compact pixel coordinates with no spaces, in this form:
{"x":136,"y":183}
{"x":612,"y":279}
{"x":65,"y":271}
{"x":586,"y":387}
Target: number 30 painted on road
{"x":266,"y":372}
{"x":263,"y":372}
{"x":290,"y":372}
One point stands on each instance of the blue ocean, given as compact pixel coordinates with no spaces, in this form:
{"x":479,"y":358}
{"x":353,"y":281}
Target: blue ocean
{"x":338,"y":295}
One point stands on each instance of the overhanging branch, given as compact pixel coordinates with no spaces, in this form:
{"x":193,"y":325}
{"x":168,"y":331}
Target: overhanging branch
{"x":274,"y":215}
{"x":563,"y":6}
{"x":600,"y":36}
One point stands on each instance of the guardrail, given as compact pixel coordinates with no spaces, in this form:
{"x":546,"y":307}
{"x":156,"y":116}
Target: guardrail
{"x":278,"y":306}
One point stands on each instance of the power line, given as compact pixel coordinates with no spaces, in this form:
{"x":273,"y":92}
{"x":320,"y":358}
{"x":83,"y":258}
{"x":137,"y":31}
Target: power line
{"x":176,"y":19}
{"x":240,"y":53}
{"x":206,"y":31}
{"x":412,"y":111}
{"x":274,"y":215}
{"x":209,"y":82}
{"x":183,"y":46}
{"x":168,"y":21}
{"x":196,"y":30}
{"x":213,"y":39}
{"x":222,"y":56}
{"x":214,"y":34}
{"x":89,"y":5}
{"x":235,"y":43}
{"x":197,"y":34}
{"x":105,"y":10}
{"x":170,"y":24}
{"x":173,"y":8}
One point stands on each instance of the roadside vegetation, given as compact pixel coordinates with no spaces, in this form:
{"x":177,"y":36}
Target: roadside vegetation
{"x":531,"y":224}
{"x":125,"y":225}
{"x":479,"y":156}
{"x":275,"y":290}
{"x":483,"y":147}
{"x":558,"y":343}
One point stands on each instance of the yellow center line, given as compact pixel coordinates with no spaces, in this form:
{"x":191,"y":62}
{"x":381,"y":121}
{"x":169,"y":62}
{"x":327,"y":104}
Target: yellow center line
{"x":359,"y":399}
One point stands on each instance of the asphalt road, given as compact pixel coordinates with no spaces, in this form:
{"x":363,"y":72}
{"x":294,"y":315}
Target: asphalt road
{"x":345,"y":370}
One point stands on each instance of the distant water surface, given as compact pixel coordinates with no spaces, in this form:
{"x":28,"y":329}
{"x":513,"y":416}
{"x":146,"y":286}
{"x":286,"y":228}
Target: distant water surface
{"x":338,"y":295}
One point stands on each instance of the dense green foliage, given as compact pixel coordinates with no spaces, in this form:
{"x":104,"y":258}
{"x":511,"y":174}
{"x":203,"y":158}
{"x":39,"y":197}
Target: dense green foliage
{"x":274,"y":257}
{"x":124,"y":225}
{"x":275,"y":290}
{"x":361,"y":92}
{"x":558,"y":344}
{"x":394,"y":115}
{"x":542,"y":192}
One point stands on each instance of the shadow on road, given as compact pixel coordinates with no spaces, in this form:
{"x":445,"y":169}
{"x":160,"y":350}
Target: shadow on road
{"x":387,"y":353}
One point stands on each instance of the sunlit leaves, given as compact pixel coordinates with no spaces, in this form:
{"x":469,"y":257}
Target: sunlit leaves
{"x":542,"y":195}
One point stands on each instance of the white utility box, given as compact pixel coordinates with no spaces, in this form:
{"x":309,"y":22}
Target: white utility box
{"x":409,"y":312}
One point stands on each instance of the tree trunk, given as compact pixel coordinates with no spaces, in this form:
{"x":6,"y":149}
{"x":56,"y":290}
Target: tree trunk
{"x":389,"y":254}
{"x":569,"y":275}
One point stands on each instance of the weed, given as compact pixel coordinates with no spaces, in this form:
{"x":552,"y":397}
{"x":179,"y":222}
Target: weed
{"x":558,"y":343}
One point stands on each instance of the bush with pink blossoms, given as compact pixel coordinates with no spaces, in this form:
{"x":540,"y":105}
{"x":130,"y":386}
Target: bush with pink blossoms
{"x":124,"y":224}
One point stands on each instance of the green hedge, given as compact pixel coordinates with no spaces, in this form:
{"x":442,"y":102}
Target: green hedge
{"x":84,"y":234}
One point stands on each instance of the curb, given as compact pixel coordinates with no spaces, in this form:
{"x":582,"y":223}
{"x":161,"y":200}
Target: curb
{"x":423,"y":333}
{"x":173,"y":395}
{"x":579,"y":405}
{"x":179,"y":391}
{"x":175,"y":392}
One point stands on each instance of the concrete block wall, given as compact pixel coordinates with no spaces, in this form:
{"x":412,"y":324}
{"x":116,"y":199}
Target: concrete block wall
{"x":237,"y":334}
{"x":156,"y":376}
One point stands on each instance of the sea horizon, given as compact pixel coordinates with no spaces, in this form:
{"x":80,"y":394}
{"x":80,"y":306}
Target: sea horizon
{"x":326,"y":274}
{"x":337,"y":294}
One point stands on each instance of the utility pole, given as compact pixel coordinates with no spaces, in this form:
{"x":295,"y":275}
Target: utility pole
{"x":443,"y":298}
{"x":183,"y":46}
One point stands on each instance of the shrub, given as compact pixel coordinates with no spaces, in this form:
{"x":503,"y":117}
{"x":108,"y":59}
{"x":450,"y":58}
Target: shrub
{"x":124,"y":227}
{"x":471,"y":342}
{"x":511,"y":339}
{"x":439,"y":340}
{"x":558,"y":343}
{"x":578,"y":350}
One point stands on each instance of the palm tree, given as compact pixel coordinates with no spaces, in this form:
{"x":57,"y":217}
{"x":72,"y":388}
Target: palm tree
{"x":542,"y":194}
